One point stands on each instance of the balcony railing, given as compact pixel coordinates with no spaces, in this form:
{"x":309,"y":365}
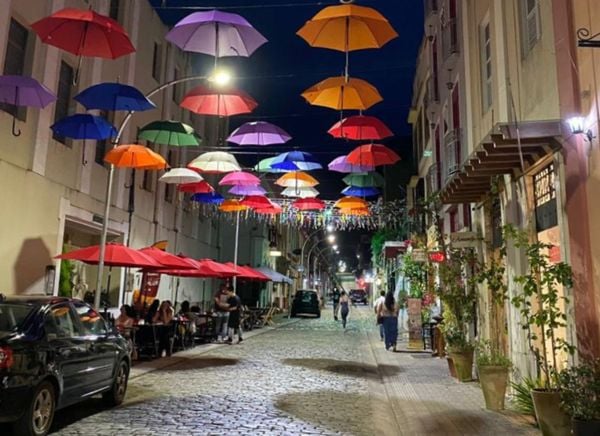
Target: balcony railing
{"x":450,"y":45}
{"x":453,"y":153}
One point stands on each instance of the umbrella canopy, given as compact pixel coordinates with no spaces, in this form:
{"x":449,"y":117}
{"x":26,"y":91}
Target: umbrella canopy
{"x":259,"y":133}
{"x":294,"y":160}
{"x":274,"y":275}
{"x":365,"y":180}
{"x":84,"y":126}
{"x":135,"y":156}
{"x":215,"y":162}
{"x":264,"y":166}
{"x":347,"y":28}
{"x":216,"y":33}
{"x":373,"y":154}
{"x":340,"y":164}
{"x":204,"y":101}
{"x":84,"y":33}
{"x":247,"y":190}
{"x":360,"y":128}
{"x":246,"y":272}
{"x":115,"y":255}
{"x":217,"y":267}
{"x":343,"y":94}
{"x":355,"y":212}
{"x":114,"y":97}
{"x":176,"y":176}
{"x":300,"y":192}
{"x":351,"y":203}
{"x":24,"y":91}
{"x":232,"y":206}
{"x":169,"y":133}
{"x":202,"y":187}
{"x":271,"y":210}
{"x":256,"y":201}
{"x":194,"y":269}
{"x":239,"y":178}
{"x":166,"y":259}
{"x":297,"y":180}
{"x":208,"y":198}
{"x":309,"y":204}
{"x":358,"y":191}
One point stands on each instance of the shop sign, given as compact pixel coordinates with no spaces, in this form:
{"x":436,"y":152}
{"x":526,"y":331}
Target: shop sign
{"x":418,"y":255}
{"x":464,"y":240}
{"x":415,"y":327}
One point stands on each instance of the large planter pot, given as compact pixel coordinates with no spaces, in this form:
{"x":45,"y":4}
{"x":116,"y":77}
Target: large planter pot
{"x":451,"y":366}
{"x":493,"y":380}
{"x":463,"y":362}
{"x":551,"y":418}
{"x":585,"y":428}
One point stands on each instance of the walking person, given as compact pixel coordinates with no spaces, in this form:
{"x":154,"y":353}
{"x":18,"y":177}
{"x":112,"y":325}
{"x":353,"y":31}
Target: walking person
{"x":222,"y":313}
{"x":335,"y":298}
{"x":380,"y":300}
{"x":388,"y":312}
{"x":345,"y":306}
{"x":235,"y":312}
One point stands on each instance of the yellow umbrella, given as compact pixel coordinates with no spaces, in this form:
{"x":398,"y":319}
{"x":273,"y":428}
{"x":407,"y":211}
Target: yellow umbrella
{"x":297,"y":179}
{"x":351,"y":203}
{"x":232,"y":206}
{"x":135,"y":156}
{"x":347,"y":28}
{"x":341,"y":94}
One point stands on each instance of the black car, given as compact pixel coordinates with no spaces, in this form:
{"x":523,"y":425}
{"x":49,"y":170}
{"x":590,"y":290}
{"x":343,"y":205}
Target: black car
{"x":306,"y":302}
{"x":55,"y":352}
{"x":358,"y":296}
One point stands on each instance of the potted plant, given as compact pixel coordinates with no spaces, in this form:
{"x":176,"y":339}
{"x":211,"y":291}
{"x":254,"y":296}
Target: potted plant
{"x":580,"y":396}
{"x":540,"y":304}
{"x":492,"y":366}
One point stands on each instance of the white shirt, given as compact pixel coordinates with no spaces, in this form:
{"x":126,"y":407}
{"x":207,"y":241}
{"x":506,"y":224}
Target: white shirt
{"x":378,"y":302}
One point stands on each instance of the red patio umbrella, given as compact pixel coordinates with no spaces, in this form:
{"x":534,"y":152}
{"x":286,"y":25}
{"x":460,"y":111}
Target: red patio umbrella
{"x":218,"y":268}
{"x":372,"y":154}
{"x":115,"y":255}
{"x":166,"y":259}
{"x":246,"y":272}
{"x":202,"y":187}
{"x":309,"y":204}
{"x":256,"y":201}
{"x":360,"y":127}
{"x":193,"y":269}
{"x":204,"y":101}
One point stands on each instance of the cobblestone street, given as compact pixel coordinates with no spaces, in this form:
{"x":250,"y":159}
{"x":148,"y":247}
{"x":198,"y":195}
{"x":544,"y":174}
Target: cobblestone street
{"x":305,"y":377}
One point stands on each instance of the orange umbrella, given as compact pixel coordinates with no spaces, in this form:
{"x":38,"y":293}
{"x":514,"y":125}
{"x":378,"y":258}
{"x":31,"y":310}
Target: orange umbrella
{"x":297,"y":179}
{"x":340,"y":93}
{"x":232,"y":206}
{"x":347,"y":28}
{"x":351,"y":203}
{"x":355,"y":212}
{"x":135,"y":156}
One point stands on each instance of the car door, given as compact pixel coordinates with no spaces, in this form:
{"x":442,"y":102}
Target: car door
{"x":68,"y":353}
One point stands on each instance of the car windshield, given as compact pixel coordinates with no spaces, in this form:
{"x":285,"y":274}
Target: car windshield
{"x":307,"y":297}
{"x":12,"y":316}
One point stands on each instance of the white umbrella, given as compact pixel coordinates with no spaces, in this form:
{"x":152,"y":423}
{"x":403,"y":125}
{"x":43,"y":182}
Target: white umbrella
{"x":180,"y":175}
{"x":215,"y":162}
{"x":306,"y":192}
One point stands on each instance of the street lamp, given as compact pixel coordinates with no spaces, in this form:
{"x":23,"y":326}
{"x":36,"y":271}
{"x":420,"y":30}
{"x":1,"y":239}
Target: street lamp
{"x":331,"y":239}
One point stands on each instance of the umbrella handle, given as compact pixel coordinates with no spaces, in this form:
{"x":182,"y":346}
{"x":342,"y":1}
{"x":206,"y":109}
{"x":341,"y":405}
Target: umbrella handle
{"x":15,"y":130}
{"x":83,"y":159}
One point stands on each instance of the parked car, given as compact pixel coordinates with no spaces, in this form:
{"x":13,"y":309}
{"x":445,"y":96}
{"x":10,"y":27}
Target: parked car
{"x":306,"y":302}
{"x":358,"y":296}
{"x":55,"y":352}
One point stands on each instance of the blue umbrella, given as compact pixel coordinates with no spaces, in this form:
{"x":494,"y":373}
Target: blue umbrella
{"x":212,"y":198}
{"x":295,"y":161}
{"x":84,"y":126}
{"x":114,"y":97}
{"x":357,"y":191}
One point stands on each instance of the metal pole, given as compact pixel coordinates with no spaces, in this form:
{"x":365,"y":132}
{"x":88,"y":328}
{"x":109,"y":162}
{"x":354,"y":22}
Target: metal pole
{"x":302,"y":251}
{"x":235,"y":250}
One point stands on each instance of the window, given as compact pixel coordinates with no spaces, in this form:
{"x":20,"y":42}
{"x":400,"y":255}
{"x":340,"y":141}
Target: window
{"x":114,"y":10}
{"x":531,"y":25}
{"x":486,"y":65}
{"x":12,"y":316}
{"x":64,"y":103}
{"x":61,"y":322}
{"x":14,"y":62}
{"x":546,"y":215}
{"x":170,"y":188}
{"x":92,"y":322}
{"x":157,"y":61}
{"x":102,"y":145}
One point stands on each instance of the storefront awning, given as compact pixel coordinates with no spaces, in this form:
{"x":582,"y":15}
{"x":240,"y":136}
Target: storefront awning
{"x":274,"y":275}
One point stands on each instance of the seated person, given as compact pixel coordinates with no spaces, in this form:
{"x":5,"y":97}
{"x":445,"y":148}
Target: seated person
{"x":126,"y":319}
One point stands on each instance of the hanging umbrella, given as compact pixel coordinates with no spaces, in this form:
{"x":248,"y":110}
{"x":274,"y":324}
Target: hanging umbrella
{"x":259,"y":133}
{"x":247,"y":190}
{"x":215,"y":162}
{"x":167,"y":260}
{"x":360,"y":128}
{"x":24,"y":91}
{"x":205,"y":101}
{"x":309,"y":204}
{"x":373,"y":154}
{"x":347,"y":28}
{"x":300,"y":192}
{"x":232,"y":206}
{"x":84,"y":126}
{"x":271,"y":210}
{"x":264,"y":166}
{"x":255,"y":201}
{"x":342,"y":93}
{"x":239,"y":178}
{"x":136,"y":157}
{"x":208,"y":198}
{"x":216,"y":33}
{"x":351,"y":203}
{"x":297,"y":180}
{"x":365,"y":180}
{"x":115,"y":255}
{"x":293,"y":160}
{"x":114,"y":97}
{"x":340,"y":164}
{"x":176,"y":176}
{"x":355,"y":212}
{"x":169,"y":133}
{"x":202,"y":187}
{"x":358,"y":191}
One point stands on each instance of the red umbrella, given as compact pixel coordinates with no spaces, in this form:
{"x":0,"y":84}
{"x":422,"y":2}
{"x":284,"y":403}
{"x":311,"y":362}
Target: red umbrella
{"x":115,"y":255}
{"x":360,"y":127}
{"x":273,"y":209}
{"x":84,"y":33}
{"x":195,"y":269}
{"x":219,"y":268}
{"x":246,"y":272}
{"x":202,"y":187}
{"x":256,"y":202}
{"x":166,"y":259}
{"x":372,"y":154}
{"x":309,"y":204}
{"x":204,"y":101}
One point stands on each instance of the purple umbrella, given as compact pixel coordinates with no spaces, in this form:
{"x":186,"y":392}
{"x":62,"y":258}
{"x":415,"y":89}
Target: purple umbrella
{"x":259,"y":133}
{"x":24,"y":91}
{"x":217,"y":34}
{"x":341,"y":165}
{"x":247,"y":190}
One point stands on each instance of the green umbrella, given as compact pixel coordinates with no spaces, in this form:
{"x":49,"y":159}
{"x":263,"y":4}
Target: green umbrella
{"x":264,"y":166}
{"x":364,"y":180}
{"x":169,"y":133}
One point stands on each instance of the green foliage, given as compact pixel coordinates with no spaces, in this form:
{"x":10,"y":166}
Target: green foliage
{"x":492,"y":274}
{"x":522,"y":397}
{"x":379,"y":238}
{"x":490,"y":355}
{"x":66,"y":275}
{"x":416,"y":273}
{"x":580,"y":391}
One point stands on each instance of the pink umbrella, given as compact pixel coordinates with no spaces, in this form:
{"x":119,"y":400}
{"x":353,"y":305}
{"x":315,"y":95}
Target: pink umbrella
{"x":239,"y":178}
{"x":340,"y":164}
{"x":247,"y":190}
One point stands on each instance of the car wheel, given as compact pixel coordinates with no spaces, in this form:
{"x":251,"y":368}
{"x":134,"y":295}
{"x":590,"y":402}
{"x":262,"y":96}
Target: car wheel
{"x":116,"y":394}
{"x":37,"y":418}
